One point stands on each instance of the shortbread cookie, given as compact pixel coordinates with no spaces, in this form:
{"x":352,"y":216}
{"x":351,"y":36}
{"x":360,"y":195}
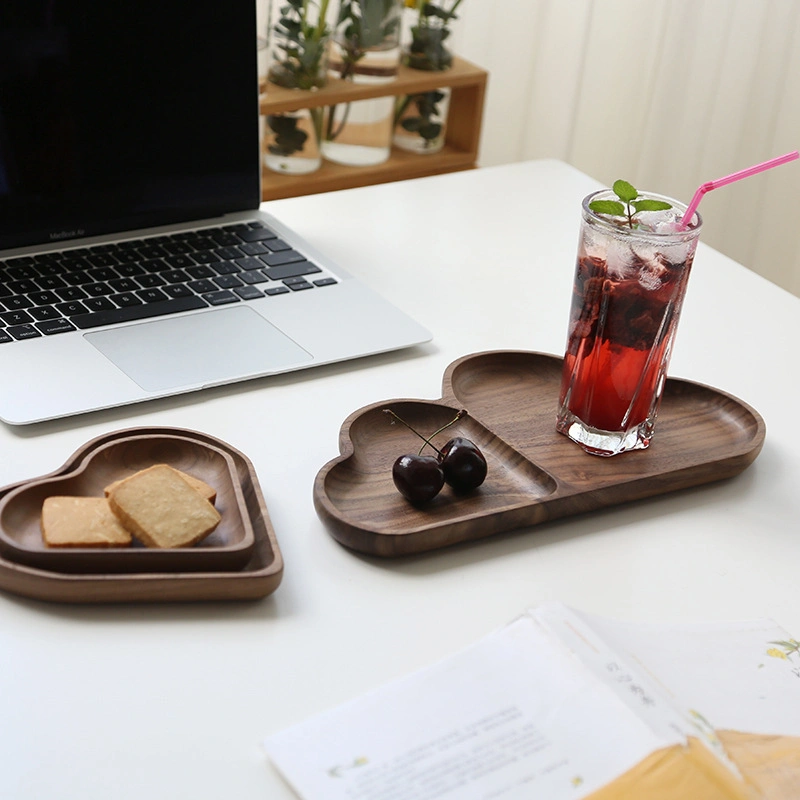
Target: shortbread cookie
{"x":161,"y":509}
{"x":81,"y":522}
{"x":209,"y":492}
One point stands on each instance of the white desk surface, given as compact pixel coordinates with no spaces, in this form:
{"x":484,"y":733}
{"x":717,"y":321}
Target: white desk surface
{"x":172,"y":701}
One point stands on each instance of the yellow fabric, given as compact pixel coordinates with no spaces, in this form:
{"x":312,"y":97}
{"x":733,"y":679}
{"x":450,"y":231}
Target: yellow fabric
{"x":678,"y":773}
{"x":770,"y":763}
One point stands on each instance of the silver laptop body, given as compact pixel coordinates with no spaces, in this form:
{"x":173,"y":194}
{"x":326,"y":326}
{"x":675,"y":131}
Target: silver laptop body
{"x":92,"y":156}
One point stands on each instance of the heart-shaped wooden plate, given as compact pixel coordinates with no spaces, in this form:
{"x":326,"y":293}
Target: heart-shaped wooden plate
{"x":227,"y":547}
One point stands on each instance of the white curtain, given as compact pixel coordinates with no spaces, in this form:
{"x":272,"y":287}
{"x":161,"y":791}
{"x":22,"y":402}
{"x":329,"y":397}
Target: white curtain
{"x":666,"y":94}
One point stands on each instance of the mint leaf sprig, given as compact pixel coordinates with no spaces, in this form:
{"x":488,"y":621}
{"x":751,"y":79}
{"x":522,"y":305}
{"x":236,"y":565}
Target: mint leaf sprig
{"x":630,"y":205}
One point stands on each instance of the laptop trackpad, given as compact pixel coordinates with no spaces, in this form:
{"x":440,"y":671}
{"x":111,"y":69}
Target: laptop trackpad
{"x":198,"y":349}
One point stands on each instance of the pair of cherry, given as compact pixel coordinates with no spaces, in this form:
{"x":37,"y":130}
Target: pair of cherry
{"x":460,"y":464}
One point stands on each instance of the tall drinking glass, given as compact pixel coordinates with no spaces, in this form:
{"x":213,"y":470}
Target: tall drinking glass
{"x":630,"y":281}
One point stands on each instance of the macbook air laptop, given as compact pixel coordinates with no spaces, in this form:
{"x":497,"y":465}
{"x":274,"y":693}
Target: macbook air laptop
{"x":134,"y":262}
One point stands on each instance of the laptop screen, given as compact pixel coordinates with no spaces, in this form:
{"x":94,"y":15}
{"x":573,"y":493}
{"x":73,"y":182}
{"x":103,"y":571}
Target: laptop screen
{"x":119,"y":115}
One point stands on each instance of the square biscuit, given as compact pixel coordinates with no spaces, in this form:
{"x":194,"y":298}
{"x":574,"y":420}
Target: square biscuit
{"x":209,"y":492}
{"x":161,"y":509}
{"x":81,"y":522}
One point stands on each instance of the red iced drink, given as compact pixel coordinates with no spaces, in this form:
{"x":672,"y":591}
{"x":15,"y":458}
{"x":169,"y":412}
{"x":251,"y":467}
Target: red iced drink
{"x":630,"y":281}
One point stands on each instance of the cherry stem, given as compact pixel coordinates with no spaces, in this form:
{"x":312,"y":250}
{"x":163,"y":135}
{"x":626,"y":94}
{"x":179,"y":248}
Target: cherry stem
{"x":427,"y":441}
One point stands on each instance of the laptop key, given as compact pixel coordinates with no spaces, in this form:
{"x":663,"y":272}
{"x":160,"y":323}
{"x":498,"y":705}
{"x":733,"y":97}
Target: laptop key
{"x":54,"y":326}
{"x":225,"y":267}
{"x":298,"y":285}
{"x":149,"y":281}
{"x":71,"y":293}
{"x":144,"y":311}
{"x":202,"y":286}
{"x":125,"y":299}
{"x":47,"y":282}
{"x":102,"y":274}
{"x":99,"y":259}
{"x":175,"y":276}
{"x":282,"y":257}
{"x":24,"y":331}
{"x":76,"y":278}
{"x":177,"y":290}
{"x":43,"y":298}
{"x":257,"y":235}
{"x":71,"y":309}
{"x":221,"y":298}
{"x":253,"y":276}
{"x":17,"y":302}
{"x":179,"y":261}
{"x":21,"y":271}
{"x":130,"y":270}
{"x":123,"y":285}
{"x":227,"y":253}
{"x":151,"y":295}
{"x":23,"y":286}
{"x":227,"y":281}
{"x":204,"y":256}
{"x":253,"y":248}
{"x":225,"y":238}
{"x":278,"y":244}
{"x":42,"y":313}
{"x":249,"y":292}
{"x":15,"y":317}
{"x":98,"y":289}
{"x":98,"y":304}
{"x":291,"y":270}
{"x":249,"y":263}
{"x":4,"y":337}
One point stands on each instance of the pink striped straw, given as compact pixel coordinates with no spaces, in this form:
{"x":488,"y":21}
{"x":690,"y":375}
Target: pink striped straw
{"x":735,"y":176}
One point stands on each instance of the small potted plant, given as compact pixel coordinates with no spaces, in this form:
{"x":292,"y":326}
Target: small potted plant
{"x":299,"y":40}
{"x":420,"y":119}
{"x":365,"y":48}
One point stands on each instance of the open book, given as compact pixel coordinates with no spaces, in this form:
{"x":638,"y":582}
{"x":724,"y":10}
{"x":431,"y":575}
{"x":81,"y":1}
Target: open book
{"x":563,"y":705}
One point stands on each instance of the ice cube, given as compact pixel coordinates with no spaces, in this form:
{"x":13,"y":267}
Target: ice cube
{"x":651,"y":276}
{"x":621,"y":262}
{"x":651,"y":268}
{"x":660,"y":221}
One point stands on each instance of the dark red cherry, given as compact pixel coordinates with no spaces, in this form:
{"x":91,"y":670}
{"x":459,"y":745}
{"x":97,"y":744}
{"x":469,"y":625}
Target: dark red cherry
{"x":463,"y":464}
{"x":418,"y":478}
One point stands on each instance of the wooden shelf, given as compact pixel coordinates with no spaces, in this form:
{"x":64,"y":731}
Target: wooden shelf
{"x":468,"y":87}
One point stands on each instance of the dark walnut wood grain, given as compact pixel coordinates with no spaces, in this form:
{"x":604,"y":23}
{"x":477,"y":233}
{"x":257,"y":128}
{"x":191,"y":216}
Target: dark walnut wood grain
{"x":228,"y":546}
{"x":535,"y":474}
{"x":257,"y":576}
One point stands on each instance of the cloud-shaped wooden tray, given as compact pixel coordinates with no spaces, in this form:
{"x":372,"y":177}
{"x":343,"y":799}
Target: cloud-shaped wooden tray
{"x":535,"y":474}
{"x":258,"y":576}
{"x":227,"y":547}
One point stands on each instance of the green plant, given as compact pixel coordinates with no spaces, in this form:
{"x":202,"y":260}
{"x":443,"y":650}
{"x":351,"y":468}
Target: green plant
{"x":424,"y":123}
{"x":361,"y":26}
{"x":289,"y":139}
{"x":364,"y":24}
{"x":300,"y":45}
{"x":427,"y":49}
{"x":631,"y":203}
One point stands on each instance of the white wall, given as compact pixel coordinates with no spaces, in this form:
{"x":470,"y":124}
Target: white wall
{"x":666,"y":94}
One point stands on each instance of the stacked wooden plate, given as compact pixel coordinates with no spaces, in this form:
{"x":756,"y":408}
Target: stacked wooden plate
{"x":239,"y":560}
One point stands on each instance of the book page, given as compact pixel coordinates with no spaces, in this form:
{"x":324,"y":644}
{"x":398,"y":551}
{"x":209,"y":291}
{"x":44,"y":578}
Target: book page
{"x":742,"y":676}
{"x":515,"y":715}
{"x":737,"y":683}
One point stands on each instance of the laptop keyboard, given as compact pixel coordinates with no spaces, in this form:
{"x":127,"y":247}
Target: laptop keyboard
{"x":84,"y":288}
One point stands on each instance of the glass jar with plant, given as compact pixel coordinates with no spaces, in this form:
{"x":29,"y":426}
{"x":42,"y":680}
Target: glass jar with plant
{"x":365,"y":48}
{"x":299,"y":41}
{"x":299,"y":36}
{"x":429,"y":32}
{"x":420,"y":119}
